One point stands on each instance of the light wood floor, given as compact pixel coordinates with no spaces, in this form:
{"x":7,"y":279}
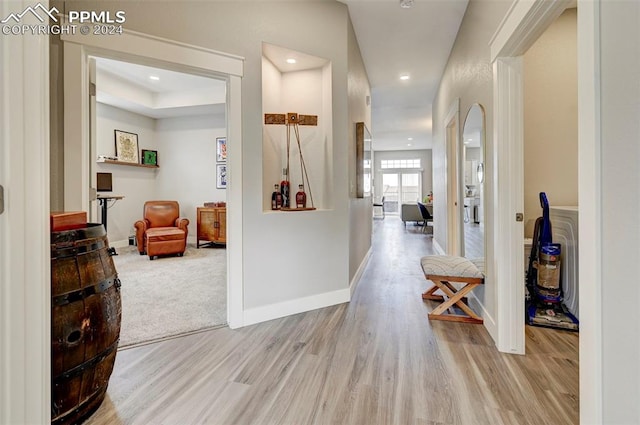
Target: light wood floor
{"x":473,"y":240}
{"x":376,"y":360}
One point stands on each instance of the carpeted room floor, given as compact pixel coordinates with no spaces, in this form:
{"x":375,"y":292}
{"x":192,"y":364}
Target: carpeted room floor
{"x":170,"y":296}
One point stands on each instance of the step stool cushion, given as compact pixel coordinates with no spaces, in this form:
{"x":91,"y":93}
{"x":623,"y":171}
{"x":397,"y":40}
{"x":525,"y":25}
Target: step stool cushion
{"x":448,"y":265}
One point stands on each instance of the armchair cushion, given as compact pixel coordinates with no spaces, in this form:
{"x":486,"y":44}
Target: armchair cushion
{"x":410,"y":212}
{"x":165,"y":234}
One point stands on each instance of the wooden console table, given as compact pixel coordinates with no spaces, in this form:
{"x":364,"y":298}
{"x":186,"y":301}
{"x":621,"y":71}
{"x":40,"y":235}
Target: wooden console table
{"x":211,"y":225}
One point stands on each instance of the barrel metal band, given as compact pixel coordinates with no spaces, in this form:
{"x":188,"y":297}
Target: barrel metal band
{"x":85,"y":292}
{"x":75,"y":371}
{"x":72,"y":251}
{"x":55,"y":409}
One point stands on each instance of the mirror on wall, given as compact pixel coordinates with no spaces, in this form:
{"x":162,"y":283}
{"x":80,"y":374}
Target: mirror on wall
{"x":473,"y":136}
{"x":363,"y":161}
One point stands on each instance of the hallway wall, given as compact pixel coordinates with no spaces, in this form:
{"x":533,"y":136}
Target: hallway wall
{"x":613,"y":282}
{"x":468,"y":76}
{"x":360,"y":209}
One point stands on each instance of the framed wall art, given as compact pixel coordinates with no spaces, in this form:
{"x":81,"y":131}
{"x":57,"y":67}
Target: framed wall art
{"x":221,"y":149}
{"x":221,"y":176}
{"x":127,"y":146}
{"x":149,"y":157}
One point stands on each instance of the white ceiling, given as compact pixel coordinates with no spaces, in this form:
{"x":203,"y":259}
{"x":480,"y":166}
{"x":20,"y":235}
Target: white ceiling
{"x":128,"y":86}
{"x":278,"y":56}
{"x":393,"y":41}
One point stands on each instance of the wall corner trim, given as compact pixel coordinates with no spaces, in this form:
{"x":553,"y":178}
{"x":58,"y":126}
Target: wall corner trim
{"x":358,"y":275}
{"x":489,"y":322}
{"x":438,"y":248}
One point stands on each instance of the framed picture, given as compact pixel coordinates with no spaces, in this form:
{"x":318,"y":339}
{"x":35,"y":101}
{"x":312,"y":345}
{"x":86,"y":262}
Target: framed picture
{"x":127,"y":146}
{"x":221,"y":176}
{"x":221,"y":149}
{"x":149,"y":157}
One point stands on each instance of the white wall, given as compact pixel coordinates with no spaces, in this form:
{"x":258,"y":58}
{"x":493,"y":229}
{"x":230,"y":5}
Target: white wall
{"x":551,"y":118}
{"x":136,"y":184}
{"x":187,"y":159}
{"x":272,"y":141}
{"x":425,"y":156}
{"x":468,"y":76}
{"x":186,"y":156}
{"x":360,"y":209}
{"x":619,"y":205}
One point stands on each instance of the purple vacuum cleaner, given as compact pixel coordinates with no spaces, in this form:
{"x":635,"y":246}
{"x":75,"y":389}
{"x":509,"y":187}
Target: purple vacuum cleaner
{"x":545,"y":306}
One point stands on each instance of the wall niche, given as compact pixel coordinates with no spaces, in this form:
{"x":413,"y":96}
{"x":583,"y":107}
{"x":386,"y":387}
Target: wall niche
{"x":302,"y":87}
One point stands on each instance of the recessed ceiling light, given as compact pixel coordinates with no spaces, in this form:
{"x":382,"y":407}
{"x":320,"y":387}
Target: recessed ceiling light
{"x":404,"y":77}
{"x":409,"y":144}
{"x":410,"y":138}
{"x":291,"y":60}
{"x":154,"y":77}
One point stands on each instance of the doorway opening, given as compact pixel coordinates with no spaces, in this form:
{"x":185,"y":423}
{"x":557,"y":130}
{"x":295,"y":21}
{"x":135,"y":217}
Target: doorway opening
{"x":520,"y":30}
{"x":181,"y":119}
{"x":164,"y":55}
{"x":400,"y":187}
{"x":452,"y":141}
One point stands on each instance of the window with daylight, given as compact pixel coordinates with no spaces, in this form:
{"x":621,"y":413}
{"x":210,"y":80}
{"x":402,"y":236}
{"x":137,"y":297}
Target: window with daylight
{"x":400,"y":163}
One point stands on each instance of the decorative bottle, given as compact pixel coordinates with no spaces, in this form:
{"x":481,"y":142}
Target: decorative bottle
{"x":301,"y":197}
{"x":276,"y":198}
{"x":284,"y":188}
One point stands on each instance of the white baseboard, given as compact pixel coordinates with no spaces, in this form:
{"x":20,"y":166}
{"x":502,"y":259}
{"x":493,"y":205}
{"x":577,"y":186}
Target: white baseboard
{"x":299,"y":305}
{"x":359,"y":272}
{"x":119,"y":244}
{"x":488,"y":320}
{"x":438,"y":248}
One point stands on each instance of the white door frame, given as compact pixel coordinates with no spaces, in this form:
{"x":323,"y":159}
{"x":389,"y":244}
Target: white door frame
{"x":25,"y":290}
{"x":160,"y":53}
{"x":452,"y":176}
{"x":524,"y":23}
{"x":590,"y":205}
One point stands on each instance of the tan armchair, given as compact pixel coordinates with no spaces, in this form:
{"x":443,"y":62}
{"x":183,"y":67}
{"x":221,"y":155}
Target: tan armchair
{"x":162,"y":231}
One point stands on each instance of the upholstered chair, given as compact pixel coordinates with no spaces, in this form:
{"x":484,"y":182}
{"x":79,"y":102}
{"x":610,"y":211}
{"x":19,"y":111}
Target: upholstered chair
{"x":162,"y":231}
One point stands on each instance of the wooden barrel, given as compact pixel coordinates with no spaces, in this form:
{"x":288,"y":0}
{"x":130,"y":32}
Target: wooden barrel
{"x":85,"y":321}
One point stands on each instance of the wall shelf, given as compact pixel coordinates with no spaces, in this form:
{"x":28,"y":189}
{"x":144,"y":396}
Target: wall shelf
{"x":130,"y":164}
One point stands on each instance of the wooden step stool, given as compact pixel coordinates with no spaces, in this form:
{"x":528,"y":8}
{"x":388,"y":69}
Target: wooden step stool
{"x":442,"y":270}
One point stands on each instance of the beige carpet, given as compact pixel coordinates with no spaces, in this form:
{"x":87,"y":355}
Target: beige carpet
{"x":171,"y":295}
